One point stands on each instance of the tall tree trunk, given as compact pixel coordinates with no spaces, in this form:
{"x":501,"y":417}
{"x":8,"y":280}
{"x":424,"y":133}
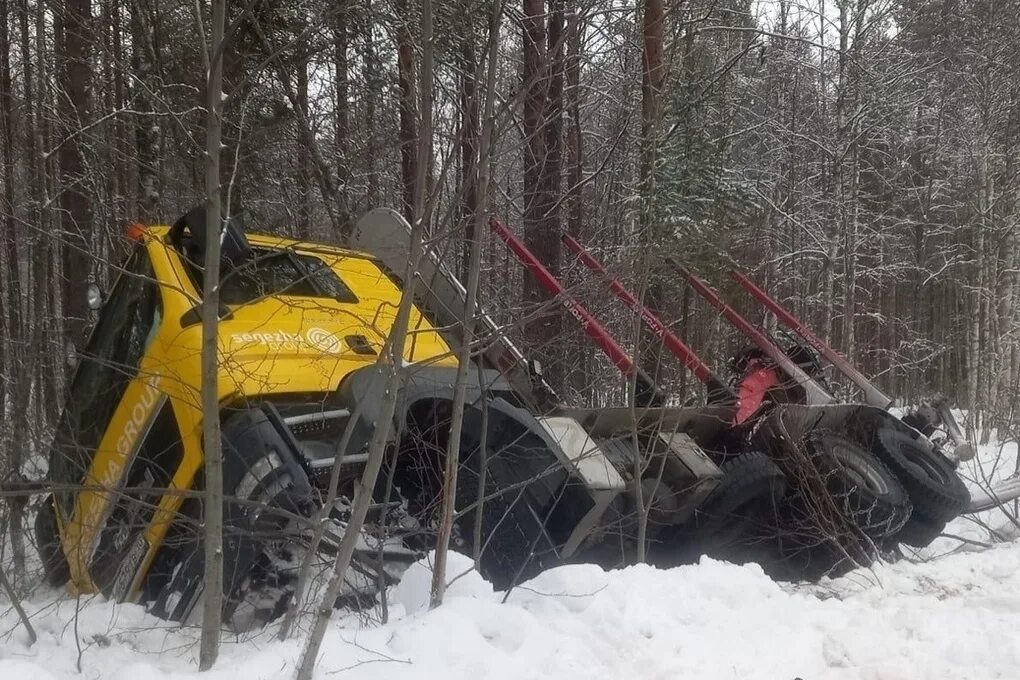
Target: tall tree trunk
{"x":374,"y":87}
{"x":147,"y":127}
{"x":575,"y":151}
{"x":48,"y":374}
{"x":119,"y":145}
{"x":408,"y":137}
{"x":542,"y":329}
{"x":12,"y":317}
{"x":303,"y":152}
{"x":653,"y":78}
{"x":211,"y":444}
{"x":974,"y":359}
{"x":552,"y":168}
{"x":342,"y":116}
{"x":468,"y":138}
{"x":74,"y":30}
{"x":653,"y":75}
{"x":11,"y":296}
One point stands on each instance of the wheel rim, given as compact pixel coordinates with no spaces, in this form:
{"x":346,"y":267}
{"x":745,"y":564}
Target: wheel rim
{"x":859,"y":470}
{"x":925,"y":463}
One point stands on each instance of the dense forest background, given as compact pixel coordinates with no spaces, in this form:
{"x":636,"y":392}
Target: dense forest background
{"x":858,"y":157}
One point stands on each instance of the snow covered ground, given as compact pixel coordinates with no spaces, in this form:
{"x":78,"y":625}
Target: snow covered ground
{"x":954,"y":615}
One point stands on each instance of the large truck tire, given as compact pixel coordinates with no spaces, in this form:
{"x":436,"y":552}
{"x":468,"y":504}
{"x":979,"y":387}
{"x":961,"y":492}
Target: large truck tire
{"x":936,"y":491}
{"x":516,"y":545}
{"x":751,"y":488}
{"x":865,"y":489}
{"x":523,"y":487}
{"x":265,"y":489}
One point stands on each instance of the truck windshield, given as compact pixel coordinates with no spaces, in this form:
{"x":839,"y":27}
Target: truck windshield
{"x":280,"y":272}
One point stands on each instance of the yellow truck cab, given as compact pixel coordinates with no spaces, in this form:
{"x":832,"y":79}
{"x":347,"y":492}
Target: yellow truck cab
{"x":300,"y":323}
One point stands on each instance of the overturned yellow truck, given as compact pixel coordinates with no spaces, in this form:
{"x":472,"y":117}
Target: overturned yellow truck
{"x":301,"y":325}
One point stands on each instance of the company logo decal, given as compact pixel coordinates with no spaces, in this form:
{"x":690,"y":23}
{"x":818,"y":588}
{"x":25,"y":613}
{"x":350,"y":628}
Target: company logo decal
{"x":281,"y":341}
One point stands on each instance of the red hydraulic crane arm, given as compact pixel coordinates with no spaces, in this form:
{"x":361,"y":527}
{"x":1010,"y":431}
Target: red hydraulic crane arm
{"x":675,"y":345}
{"x":591,"y":326}
{"x":647,"y":392}
{"x":873,"y":395}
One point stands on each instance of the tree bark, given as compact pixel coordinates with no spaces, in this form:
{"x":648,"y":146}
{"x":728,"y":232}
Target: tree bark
{"x":542,"y":329}
{"x":552,"y":168}
{"x":374,"y":86}
{"x":303,"y":150}
{"x":8,"y":257}
{"x":342,"y":116}
{"x":211,"y":442}
{"x":12,"y":302}
{"x":575,"y":151}
{"x":408,"y":136}
{"x":146,"y":125}
{"x":653,"y":76}
{"x":469,"y":142}
{"x":73,"y":27}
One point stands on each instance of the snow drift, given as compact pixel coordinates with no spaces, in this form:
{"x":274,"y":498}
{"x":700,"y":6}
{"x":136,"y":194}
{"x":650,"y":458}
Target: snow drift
{"x":953,"y":616}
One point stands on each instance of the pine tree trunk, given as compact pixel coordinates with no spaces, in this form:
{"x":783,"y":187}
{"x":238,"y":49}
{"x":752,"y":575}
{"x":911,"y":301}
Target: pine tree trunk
{"x":374,"y":85}
{"x":12,"y":317}
{"x":147,"y":129}
{"x":303,"y":151}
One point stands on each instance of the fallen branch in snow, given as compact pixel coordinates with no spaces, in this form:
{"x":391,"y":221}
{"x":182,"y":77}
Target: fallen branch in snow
{"x":383,"y":658}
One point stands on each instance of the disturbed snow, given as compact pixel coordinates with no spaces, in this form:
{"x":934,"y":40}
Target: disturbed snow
{"x":954,"y":615}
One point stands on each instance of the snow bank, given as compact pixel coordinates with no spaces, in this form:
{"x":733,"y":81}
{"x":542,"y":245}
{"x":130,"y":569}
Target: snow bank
{"x":955,"y":617}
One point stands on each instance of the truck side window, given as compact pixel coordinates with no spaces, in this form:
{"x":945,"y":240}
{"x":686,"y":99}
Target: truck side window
{"x":108,"y":364}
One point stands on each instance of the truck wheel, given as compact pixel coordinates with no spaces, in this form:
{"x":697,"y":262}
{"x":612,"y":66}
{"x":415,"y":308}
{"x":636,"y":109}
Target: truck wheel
{"x":748,"y":494}
{"x":263,"y":550}
{"x":515,"y":544}
{"x":864,"y":488}
{"x":55,"y":568}
{"x":937,"y":492}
